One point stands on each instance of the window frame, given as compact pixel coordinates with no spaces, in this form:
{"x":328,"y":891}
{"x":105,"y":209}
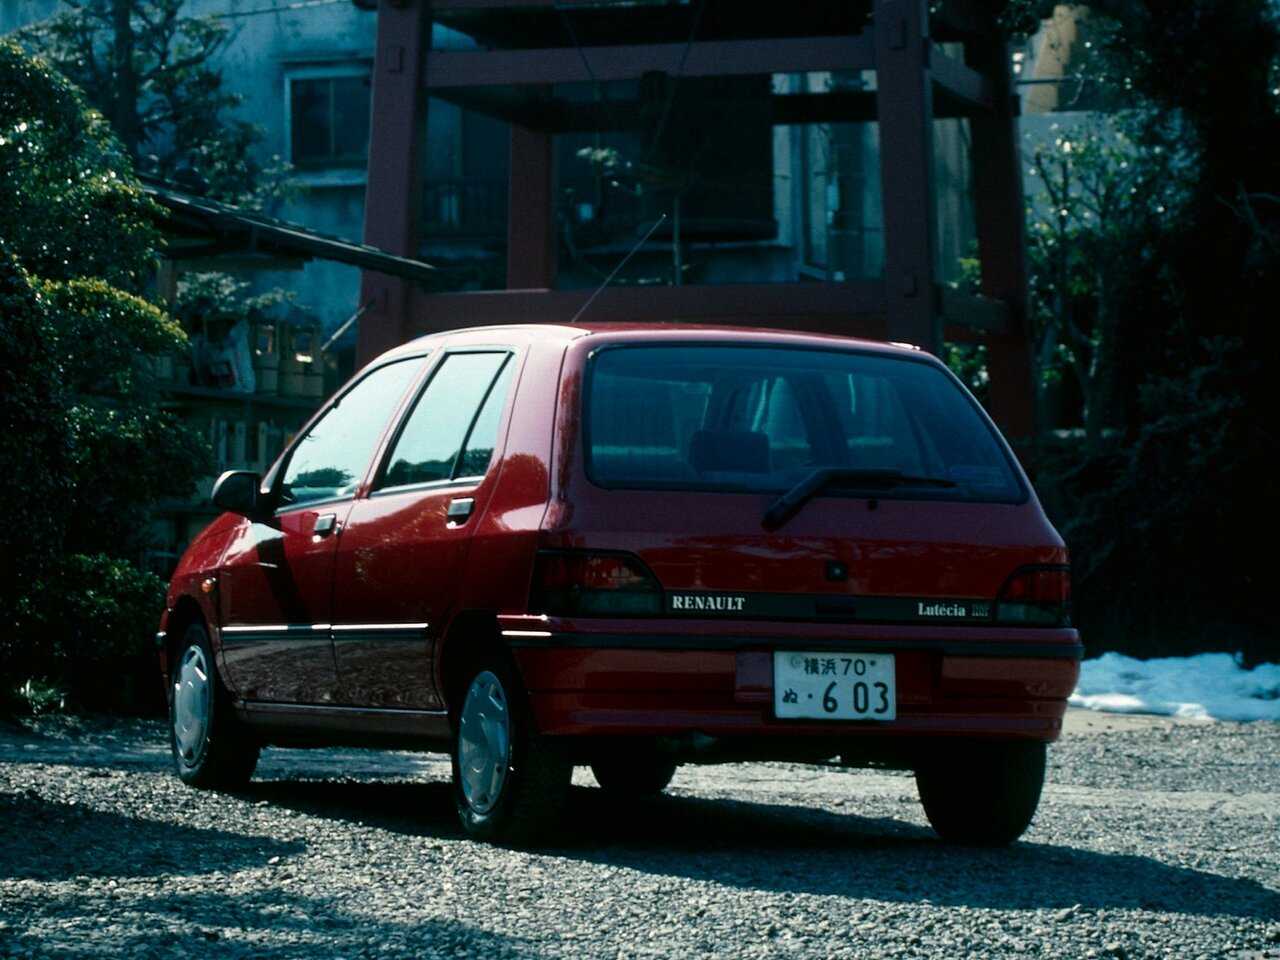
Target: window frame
{"x":361,"y":69}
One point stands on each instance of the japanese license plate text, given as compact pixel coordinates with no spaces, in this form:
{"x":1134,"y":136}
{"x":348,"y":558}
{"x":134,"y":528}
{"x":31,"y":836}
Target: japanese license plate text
{"x":834,"y":686}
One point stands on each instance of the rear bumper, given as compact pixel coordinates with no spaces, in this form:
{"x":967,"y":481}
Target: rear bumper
{"x":961,"y":682}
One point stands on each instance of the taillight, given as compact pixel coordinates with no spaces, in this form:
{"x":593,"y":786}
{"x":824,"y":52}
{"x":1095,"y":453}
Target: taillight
{"x":569,"y":583}
{"x":1037,"y":596}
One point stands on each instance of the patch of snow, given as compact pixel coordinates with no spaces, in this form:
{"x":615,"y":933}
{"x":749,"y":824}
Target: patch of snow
{"x":1209,"y":685}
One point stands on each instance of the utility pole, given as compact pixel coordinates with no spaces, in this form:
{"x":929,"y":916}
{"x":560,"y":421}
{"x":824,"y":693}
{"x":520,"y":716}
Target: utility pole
{"x":125,"y":85}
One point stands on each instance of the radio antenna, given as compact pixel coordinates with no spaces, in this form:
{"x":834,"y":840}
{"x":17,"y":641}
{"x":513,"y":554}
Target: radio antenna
{"x":621,"y":263}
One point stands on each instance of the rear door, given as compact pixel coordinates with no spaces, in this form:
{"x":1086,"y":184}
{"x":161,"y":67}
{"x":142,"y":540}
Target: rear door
{"x":403,"y":548}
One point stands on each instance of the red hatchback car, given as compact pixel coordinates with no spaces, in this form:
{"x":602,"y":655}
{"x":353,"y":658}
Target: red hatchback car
{"x":633,"y":548}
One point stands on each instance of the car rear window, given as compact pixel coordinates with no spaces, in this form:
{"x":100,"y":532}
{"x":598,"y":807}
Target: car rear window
{"x":710,"y":417}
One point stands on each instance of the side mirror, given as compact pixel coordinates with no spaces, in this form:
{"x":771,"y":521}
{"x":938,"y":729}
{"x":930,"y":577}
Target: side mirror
{"x":239,"y":492}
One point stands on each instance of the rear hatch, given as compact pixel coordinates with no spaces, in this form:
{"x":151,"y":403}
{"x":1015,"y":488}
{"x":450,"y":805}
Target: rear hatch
{"x":790,"y":480}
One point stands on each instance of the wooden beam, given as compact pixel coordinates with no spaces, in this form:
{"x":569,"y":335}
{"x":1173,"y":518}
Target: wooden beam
{"x":397,"y":155}
{"x":965,"y":20}
{"x":1002,"y":249}
{"x":442,"y":5}
{"x":558,"y":115}
{"x":486,"y":68}
{"x":973,"y":311}
{"x":837,"y":106}
{"x":502,"y":103}
{"x":531,"y":234}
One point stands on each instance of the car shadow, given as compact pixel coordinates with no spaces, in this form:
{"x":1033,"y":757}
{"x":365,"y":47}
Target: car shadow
{"x":100,"y":843}
{"x":782,"y":848}
{"x":268,"y":924}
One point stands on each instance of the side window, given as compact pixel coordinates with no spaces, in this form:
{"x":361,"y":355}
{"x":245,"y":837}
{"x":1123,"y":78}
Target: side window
{"x":453,"y":428}
{"x":330,"y":459}
{"x":484,"y":435}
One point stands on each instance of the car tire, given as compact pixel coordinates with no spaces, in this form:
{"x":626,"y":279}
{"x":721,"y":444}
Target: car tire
{"x":510,"y":783}
{"x":210,"y":748}
{"x":982,"y":794}
{"x":633,"y":771}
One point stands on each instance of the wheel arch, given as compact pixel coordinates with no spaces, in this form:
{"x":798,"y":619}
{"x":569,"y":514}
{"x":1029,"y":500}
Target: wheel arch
{"x":471,"y":640}
{"x":185,"y":612}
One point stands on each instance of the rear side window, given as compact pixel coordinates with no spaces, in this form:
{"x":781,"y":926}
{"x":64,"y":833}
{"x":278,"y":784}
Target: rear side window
{"x":763,"y":418}
{"x":453,"y":428}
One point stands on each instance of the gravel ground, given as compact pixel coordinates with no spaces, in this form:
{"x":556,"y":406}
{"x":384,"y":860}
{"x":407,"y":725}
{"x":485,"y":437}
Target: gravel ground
{"x":1155,"y":838}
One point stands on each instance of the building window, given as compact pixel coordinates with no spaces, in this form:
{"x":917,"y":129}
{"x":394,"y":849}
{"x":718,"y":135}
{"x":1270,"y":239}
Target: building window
{"x":329,"y":120}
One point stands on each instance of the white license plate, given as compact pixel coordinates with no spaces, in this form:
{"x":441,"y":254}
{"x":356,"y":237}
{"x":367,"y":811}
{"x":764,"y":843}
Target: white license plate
{"x":834,"y":686}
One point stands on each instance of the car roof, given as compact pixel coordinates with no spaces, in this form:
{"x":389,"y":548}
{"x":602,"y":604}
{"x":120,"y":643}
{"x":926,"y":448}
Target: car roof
{"x":642,"y":333}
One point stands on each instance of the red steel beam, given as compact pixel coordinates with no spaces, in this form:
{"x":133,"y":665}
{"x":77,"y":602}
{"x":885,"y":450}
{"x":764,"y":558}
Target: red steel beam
{"x":904,"y":100}
{"x":397,"y":148}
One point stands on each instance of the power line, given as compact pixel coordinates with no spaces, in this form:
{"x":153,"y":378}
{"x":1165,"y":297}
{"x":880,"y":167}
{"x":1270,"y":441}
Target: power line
{"x":282,"y":8}
{"x":582,"y":55}
{"x":671,"y":94}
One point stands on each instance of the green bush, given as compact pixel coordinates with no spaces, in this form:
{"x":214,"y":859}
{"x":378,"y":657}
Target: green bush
{"x":88,"y":629}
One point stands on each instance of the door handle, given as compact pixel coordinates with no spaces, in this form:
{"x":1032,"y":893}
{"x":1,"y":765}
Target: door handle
{"x":325,"y":525}
{"x":460,"y":509}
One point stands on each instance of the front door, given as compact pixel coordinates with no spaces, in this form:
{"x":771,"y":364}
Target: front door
{"x":276,"y":581}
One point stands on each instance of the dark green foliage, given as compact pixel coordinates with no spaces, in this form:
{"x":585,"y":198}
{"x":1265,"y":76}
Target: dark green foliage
{"x":35,"y":452}
{"x":85,"y":448}
{"x":88,"y":447}
{"x":968,"y":361}
{"x":1111,"y":202}
{"x":128,"y":454}
{"x":71,"y":206}
{"x":1159,"y":306}
{"x":1166,"y":526}
{"x":89,"y":627}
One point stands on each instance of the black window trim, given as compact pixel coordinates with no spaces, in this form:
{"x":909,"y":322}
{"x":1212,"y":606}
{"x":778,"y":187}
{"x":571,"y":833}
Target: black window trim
{"x":360,"y":68}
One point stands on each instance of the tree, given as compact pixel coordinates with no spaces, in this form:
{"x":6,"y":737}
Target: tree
{"x":84,"y":445}
{"x":1106,"y":213}
{"x":1164,"y":306}
{"x":152,"y":72}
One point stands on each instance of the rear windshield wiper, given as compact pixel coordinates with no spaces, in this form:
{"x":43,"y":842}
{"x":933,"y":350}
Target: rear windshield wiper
{"x":789,"y":504}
